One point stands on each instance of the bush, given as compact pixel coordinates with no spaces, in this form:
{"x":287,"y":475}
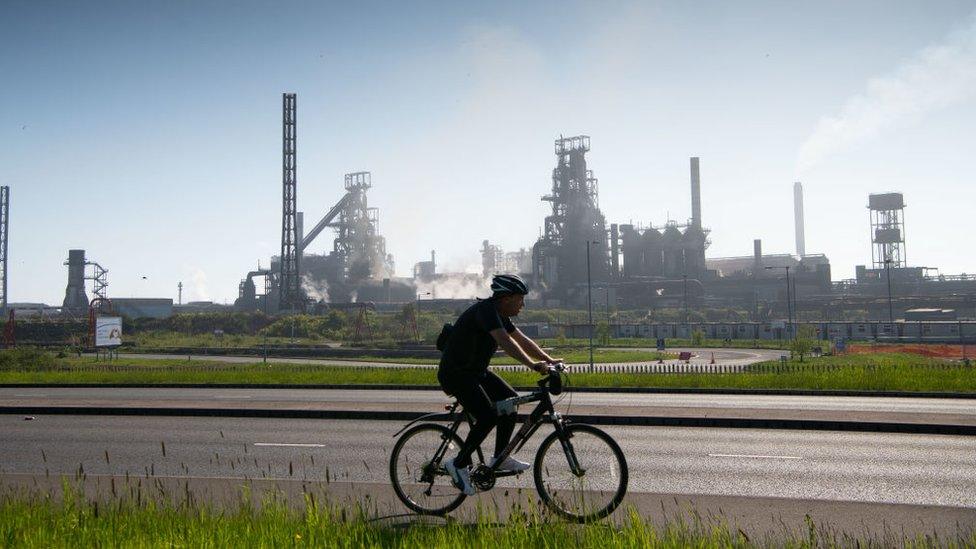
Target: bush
{"x":26,"y":358}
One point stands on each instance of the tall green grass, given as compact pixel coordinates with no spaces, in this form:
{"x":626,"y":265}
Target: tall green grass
{"x":74,"y":521}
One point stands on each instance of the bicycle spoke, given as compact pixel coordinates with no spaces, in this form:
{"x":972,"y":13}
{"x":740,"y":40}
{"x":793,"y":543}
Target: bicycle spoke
{"x":591,"y":491}
{"x":417,"y":472}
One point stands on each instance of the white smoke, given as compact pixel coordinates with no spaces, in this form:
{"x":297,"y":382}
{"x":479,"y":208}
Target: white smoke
{"x":454,"y":286}
{"x":200,"y":285}
{"x":315,"y":289}
{"x":935,"y":77}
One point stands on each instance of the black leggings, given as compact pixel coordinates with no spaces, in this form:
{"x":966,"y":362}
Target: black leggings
{"x":477,"y":393}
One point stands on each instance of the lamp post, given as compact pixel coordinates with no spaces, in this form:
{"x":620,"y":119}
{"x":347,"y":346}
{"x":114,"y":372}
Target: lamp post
{"x":589,"y":301}
{"x":887,"y":262}
{"x":789,"y":306}
{"x":684,"y":301}
{"x":416,"y":315}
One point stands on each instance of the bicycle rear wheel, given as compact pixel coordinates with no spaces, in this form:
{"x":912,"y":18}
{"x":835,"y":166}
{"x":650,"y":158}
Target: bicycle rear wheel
{"x":417,"y":469}
{"x":596,"y":488}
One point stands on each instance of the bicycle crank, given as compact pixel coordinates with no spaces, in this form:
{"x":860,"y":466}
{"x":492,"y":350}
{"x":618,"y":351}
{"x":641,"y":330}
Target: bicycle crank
{"x":483,"y":478}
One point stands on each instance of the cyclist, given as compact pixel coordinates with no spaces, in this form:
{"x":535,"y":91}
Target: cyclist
{"x":463,"y":372}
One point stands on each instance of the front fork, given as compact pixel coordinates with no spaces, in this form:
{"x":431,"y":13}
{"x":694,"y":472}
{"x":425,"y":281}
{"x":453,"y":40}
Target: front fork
{"x":565,"y":439}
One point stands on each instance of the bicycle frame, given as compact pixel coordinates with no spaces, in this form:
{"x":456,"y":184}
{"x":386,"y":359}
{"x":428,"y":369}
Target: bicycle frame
{"x":529,"y":427}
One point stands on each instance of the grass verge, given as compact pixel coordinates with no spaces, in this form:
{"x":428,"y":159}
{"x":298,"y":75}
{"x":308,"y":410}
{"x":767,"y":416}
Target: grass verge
{"x":891,"y":372}
{"x":131,"y":521}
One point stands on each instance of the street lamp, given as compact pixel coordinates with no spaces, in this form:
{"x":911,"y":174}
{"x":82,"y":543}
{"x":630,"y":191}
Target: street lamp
{"x":789,"y":306}
{"x":684,"y":282}
{"x":416,"y":315}
{"x":589,"y":300}
{"x":887,"y":262}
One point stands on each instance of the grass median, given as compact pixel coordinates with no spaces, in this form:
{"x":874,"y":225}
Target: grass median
{"x":875,"y":372}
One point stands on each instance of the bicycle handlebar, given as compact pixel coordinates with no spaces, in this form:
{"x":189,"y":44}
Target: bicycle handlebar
{"x":553,"y":381}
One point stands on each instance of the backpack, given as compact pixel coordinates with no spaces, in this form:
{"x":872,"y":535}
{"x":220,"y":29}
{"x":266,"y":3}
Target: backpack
{"x":444,"y":336}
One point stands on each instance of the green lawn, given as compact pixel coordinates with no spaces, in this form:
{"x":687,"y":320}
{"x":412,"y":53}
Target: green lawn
{"x":879,"y":372}
{"x":130,"y":521}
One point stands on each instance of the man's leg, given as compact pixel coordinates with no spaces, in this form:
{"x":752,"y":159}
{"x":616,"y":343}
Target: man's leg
{"x":476,"y":402}
{"x":498,"y":389}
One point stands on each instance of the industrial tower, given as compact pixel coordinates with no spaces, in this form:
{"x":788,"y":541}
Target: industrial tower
{"x":4,"y":226}
{"x":887,"y":230}
{"x":291,"y":290}
{"x":559,"y":257}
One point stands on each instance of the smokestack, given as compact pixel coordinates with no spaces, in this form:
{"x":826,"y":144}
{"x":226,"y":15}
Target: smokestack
{"x":695,"y":194}
{"x":614,"y":251}
{"x":798,"y":218}
{"x":75,"y":298}
{"x":756,"y":257}
{"x":433,"y":263}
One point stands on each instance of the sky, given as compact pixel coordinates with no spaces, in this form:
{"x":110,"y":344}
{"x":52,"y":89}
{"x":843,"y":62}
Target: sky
{"x":149,"y":133}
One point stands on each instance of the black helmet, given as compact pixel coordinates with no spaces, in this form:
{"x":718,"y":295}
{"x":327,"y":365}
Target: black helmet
{"x":508,"y":284}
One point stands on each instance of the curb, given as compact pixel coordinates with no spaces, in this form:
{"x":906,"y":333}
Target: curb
{"x":383,"y":387}
{"x":639,"y":421}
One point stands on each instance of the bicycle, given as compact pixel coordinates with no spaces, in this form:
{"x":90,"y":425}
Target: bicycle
{"x":583,"y":478}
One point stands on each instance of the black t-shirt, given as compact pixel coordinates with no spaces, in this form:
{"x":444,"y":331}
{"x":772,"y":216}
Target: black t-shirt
{"x":471,"y":346}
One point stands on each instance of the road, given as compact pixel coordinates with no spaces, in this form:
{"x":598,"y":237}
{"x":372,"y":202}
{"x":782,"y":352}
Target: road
{"x":845,"y":477}
{"x":830,"y":408}
{"x":727,"y":357}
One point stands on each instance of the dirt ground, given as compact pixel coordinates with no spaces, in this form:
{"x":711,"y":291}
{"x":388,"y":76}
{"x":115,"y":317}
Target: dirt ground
{"x":935,"y":350}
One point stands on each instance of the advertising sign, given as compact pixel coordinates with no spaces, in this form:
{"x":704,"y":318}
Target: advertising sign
{"x":108,"y":331}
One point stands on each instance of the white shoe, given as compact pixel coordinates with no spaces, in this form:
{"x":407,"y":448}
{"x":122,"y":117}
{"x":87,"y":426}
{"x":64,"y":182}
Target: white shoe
{"x":511,"y":464}
{"x":461,"y":477}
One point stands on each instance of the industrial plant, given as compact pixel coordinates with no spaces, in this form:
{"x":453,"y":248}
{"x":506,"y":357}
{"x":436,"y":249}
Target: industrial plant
{"x":643,"y":265}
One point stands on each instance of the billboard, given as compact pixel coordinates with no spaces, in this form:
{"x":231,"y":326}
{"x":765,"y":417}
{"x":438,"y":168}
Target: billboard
{"x":108,"y":331}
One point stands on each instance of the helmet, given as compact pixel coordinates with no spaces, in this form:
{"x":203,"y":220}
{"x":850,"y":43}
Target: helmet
{"x":508,"y":284}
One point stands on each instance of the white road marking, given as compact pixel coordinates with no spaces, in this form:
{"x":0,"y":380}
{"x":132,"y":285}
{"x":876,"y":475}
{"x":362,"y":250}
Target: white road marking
{"x":232,"y":397}
{"x":29,"y":396}
{"x":288,"y":444}
{"x":753,"y":456}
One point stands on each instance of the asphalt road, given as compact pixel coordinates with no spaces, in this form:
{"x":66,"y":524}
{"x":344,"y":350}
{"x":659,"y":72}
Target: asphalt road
{"x":865,"y":467}
{"x":763,"y":481}
{"x":728,"y":357}
{"x":837,"y":408}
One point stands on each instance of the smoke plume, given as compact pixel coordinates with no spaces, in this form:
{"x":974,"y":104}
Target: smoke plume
{"x":935,"y":77}
{"x":200,"y":285}
{"x":315,"y":289}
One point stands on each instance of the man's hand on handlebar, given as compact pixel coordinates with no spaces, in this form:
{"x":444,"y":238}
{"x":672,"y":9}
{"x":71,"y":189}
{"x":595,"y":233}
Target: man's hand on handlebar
{"x":540,"y":367}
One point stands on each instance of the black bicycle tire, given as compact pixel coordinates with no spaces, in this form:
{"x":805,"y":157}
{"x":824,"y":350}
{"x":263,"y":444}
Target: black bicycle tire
{"x":547,"y":498}
{"x":394,"y":479}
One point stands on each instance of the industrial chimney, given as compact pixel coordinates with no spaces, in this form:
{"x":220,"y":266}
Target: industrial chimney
{"x":798,"y":218}
{"x":695,"y":194}
{"x":756,"y":257}
{"x":75,"y":300}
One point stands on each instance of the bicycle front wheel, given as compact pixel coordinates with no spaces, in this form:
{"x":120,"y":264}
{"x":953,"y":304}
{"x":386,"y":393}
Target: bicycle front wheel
{"x":417,"y":469}
{"x":581,"y":473}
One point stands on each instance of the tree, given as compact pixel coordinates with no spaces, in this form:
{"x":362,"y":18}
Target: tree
{"x":801,"y":346}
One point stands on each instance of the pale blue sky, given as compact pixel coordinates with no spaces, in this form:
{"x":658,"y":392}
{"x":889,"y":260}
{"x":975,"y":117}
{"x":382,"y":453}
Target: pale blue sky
{"x":148,"y":133}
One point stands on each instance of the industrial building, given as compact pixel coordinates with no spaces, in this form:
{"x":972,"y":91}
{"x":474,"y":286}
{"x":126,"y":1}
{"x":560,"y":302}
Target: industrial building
{"x":639,"y":265}
{"x":356,"y":268}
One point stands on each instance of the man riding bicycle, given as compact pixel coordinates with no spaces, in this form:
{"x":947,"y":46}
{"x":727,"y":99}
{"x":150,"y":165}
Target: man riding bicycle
{"x":463,"y":372}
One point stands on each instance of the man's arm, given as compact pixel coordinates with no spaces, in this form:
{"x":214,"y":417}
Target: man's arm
{"x":512,"y":348}
{"x":531,"y":347}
